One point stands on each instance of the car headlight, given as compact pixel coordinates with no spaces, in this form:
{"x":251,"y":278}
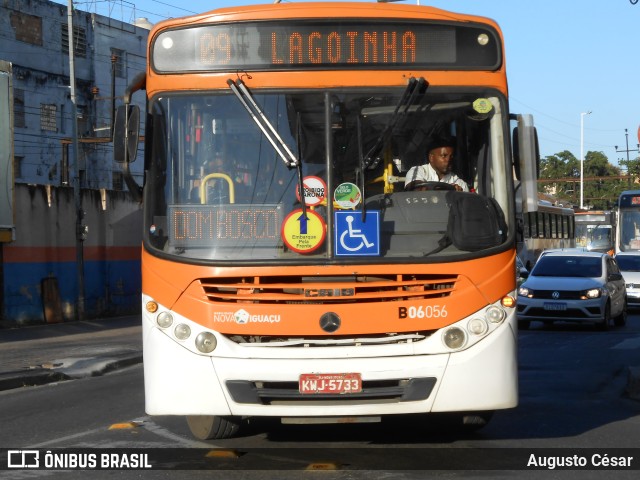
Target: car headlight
{"x":524,"y":292}
{"x":593,"y":293}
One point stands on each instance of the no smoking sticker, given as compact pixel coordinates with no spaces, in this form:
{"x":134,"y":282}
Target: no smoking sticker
{"x":315,"y":191}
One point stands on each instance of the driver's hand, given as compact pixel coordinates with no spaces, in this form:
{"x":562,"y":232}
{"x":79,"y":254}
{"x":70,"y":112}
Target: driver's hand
{"x":457,"y":187}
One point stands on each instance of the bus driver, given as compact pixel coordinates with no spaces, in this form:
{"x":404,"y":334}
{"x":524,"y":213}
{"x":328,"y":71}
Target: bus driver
{"x":438,"y":168}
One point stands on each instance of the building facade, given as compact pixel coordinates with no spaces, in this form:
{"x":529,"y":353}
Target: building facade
{"x":72,"y":247}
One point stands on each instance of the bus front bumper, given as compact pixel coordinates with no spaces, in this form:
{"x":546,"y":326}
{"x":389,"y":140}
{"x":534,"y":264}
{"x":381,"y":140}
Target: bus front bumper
{"x":179,"y":382}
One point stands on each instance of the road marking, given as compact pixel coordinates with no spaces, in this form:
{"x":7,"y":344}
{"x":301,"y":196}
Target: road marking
{"x":59,"y":440}
{"x":317,"y":466}
{"x":124,"y":426}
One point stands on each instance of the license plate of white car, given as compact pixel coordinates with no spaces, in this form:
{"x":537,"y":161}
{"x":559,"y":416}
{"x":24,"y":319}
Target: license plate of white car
{"x":555,"y":306}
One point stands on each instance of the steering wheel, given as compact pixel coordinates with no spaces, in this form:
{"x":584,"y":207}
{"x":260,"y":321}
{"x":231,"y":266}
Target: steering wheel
{"x":421,"y":185}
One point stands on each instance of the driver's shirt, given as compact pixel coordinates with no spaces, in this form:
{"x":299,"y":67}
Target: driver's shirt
{"x":426,"y":173}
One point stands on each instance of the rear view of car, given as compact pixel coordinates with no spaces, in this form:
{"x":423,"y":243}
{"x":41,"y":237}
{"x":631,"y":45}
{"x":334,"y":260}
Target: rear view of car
{"x":573,"y":287}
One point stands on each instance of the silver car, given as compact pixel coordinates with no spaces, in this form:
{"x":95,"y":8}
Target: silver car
{"x":572,"y":286}
{"x":629,"y":263}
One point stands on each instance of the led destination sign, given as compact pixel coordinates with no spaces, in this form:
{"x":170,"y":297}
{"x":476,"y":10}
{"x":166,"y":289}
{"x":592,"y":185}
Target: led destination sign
{"x":629,"y":200}
{"x":285,"y":45}
{"x":224,"y":225}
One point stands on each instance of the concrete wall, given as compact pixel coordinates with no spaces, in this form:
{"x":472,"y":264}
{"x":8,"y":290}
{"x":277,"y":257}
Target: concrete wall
{"x":44,"y":254}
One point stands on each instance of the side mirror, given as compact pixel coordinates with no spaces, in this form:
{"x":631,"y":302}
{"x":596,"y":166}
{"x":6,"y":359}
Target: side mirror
{"x":126,"y":129}
{"x":526,"y":158}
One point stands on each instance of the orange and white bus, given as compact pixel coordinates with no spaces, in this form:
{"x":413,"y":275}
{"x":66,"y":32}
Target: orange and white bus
{"x":286,"y":272}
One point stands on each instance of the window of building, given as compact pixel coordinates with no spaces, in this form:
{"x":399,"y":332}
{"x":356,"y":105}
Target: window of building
{"x":17,"y":166}
{"x":18,"y":108}
{"x":84,"y":125}
{"x":79,"y":40}
{"x":27,"y":28}
{"x":62,"y":121}
{"x":119,"y":58}
{"x":48,"y":117}
{"x":64,"y":168}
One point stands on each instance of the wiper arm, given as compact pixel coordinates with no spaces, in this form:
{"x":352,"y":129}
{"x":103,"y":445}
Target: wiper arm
{"x":414,"y":88}
{"x":240,"y":90}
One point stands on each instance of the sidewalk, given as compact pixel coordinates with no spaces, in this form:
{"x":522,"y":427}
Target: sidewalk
{"x":42,"y":354}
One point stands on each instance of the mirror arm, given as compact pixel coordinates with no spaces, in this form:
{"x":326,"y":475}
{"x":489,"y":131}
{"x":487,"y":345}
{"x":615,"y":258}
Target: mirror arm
{"x":134,"y":188}
{"x":139,"y":82}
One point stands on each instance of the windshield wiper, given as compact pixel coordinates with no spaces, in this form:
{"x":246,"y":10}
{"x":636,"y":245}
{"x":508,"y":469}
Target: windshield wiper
{"x":291,"y":161}
{"x":414,"y":88}
{"x":240,"y":90}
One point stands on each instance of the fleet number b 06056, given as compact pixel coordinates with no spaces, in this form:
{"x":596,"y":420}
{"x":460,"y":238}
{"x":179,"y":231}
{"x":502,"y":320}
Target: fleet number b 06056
{"x":423,"y":311}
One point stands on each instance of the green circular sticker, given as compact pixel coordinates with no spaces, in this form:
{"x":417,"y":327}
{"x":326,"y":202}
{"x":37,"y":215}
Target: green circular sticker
{"x":347,"y":195}
{"x":482,"y":105}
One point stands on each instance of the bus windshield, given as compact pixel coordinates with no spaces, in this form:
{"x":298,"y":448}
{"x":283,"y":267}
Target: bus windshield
{"x":629,"y":219}
{"x":218,"y":190}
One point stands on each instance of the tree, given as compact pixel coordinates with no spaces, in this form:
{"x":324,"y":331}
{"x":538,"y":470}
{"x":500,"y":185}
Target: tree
{"x":565,"y":168}
{"x":560,"y":165}
{"x":599,"y":192}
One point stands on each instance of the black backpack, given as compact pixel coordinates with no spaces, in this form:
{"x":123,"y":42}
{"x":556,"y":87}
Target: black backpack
{"x":475,"y":222}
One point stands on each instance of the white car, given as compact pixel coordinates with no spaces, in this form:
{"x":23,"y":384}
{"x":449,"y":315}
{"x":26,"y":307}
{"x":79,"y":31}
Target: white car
{"x":629,"y":263}
{"x":573,"y":286}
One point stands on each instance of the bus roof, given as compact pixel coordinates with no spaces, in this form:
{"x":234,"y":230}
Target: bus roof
{"x":322,"y":10}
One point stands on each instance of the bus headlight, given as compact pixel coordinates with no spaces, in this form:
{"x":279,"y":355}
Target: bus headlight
{"x":182,"y":331}
{"x":495,"y":314}
{"x":206,"y":342}
{"x":454,"y":338}
{"x":477,"y":326}
{"x":164,"y":319}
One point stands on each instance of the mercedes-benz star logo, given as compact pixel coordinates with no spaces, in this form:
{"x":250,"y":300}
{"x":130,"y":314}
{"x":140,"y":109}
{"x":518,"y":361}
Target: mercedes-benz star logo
{"x":330,"y":322}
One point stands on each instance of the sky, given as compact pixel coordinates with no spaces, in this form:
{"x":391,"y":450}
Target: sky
{"x":564,"y":58}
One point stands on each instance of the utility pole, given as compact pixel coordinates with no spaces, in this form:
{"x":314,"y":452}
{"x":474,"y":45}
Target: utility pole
{"x":582,"y":157}
{"x":626,"y":136}
{"x":76,"y":169}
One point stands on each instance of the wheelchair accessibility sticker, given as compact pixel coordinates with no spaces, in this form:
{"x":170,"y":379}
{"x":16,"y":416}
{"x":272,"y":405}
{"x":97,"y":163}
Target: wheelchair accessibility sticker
{"x":355,"y":237}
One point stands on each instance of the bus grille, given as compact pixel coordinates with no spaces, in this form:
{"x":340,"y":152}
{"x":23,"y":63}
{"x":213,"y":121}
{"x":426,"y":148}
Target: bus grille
{"x":327,"y":289}
{"x":287,"y":393}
